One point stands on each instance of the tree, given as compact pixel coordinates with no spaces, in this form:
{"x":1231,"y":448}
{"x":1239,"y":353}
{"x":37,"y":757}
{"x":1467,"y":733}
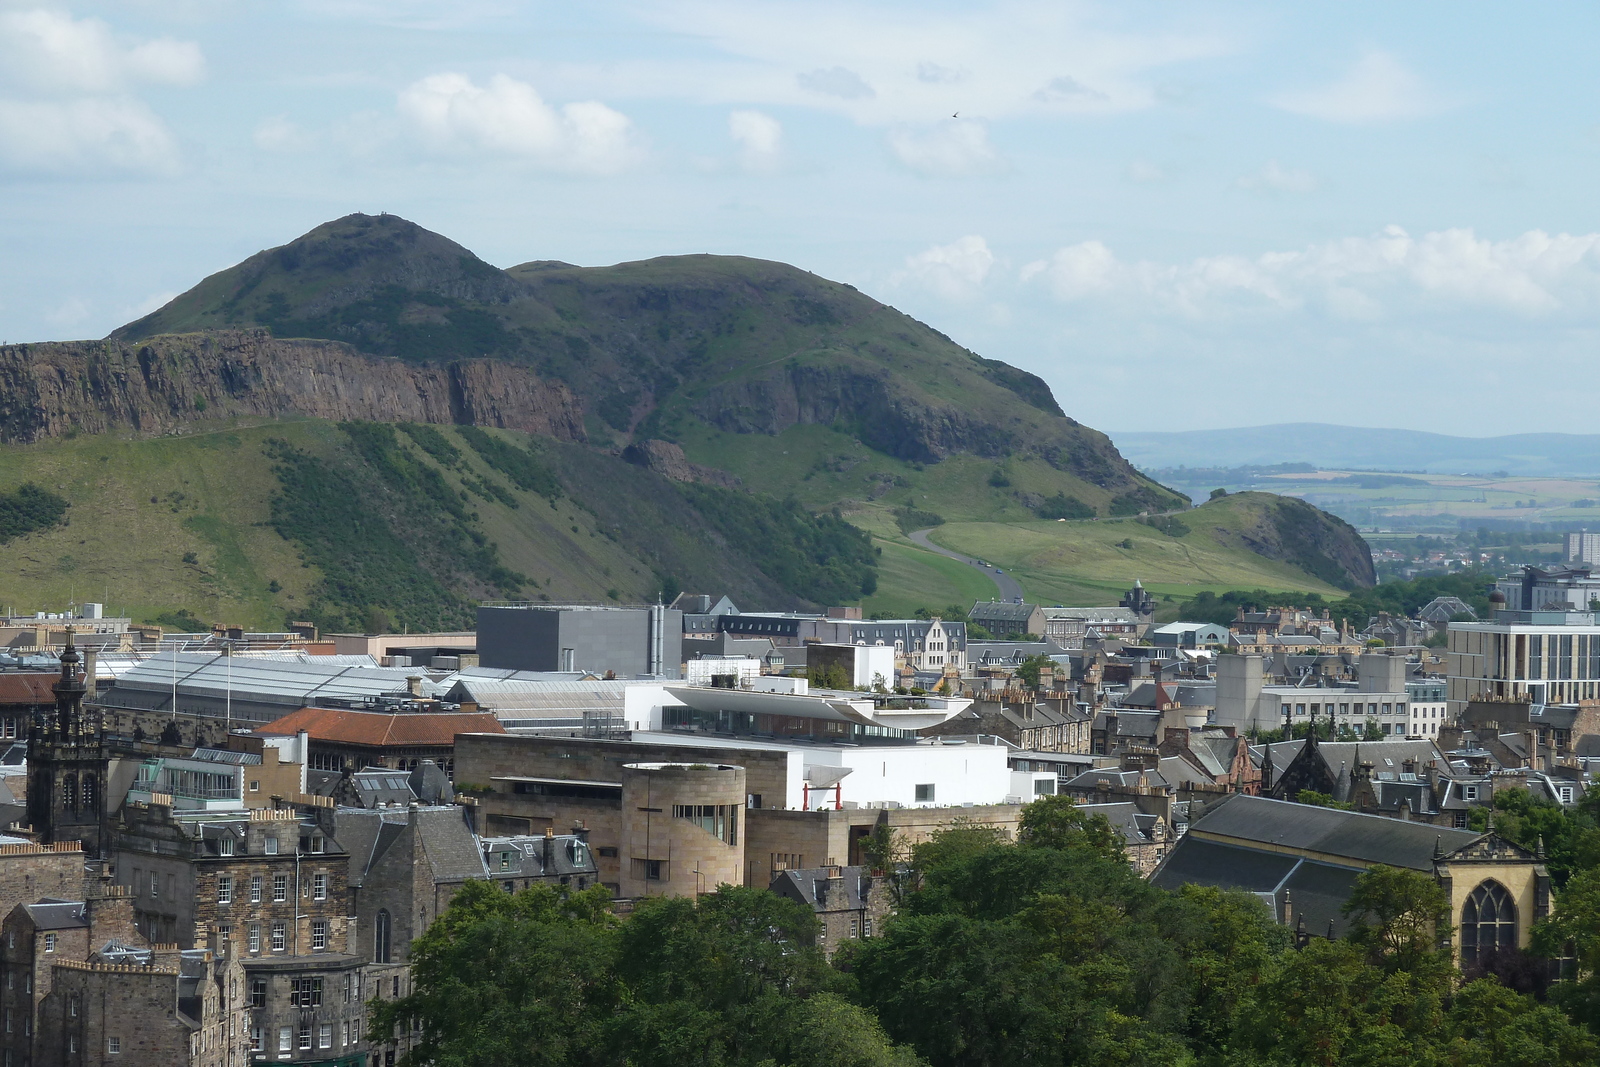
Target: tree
{"x":1033,"y":668}
{"x":1057,"y":822}
{"x":1400,"y":915}
{"x":504,"y":980}
{"x":1218,"y":494}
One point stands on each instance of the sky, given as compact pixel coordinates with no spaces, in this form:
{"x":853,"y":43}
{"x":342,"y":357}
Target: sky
{"x":1181,"y":215}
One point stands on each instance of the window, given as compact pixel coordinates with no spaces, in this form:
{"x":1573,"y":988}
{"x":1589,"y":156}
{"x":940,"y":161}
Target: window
{"x":866,"y":926}
{"x":255,"y":889}
{"x":319,"y":935}
{"x":225,"y":889}
{"x":225,"y":932}
{"x":270,"y":846}
{"x":1469,"y":792}
{"x":1488,"y":922}
{"x":325,"y":1035}
{"x":225,"y":845}
{"x":280,"y":887}
{"x":306,"y":993}
{"x":344,"y":1033}
{"x":279,"y":940}
{"x":254,"y":936}
{"x":49,"y":942}
{"x":305,"y":1035}
{"x":855,"y":927}
{"x":255,"y":786}
{"x":72,"y":1007}
{"x":319,"y":887}
{"x":113,"y":1045}
{"x":258,"y":992}
{"x":317,"y":845}
{"x":255,"y":1039}
{"x":925,"y":794}
{"x":69,"y":792}
{"x":380,"y":937}
{"x":1566,"y":794}
{"x":155,"y":885}
{"x":505,"y":861}
{"x":285,"y":1039}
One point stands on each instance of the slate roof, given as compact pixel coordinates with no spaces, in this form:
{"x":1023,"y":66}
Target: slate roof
{"x":377,"y":729}
{"x":1365,"y":839}
{"x":53,"y":914}
{"x":448,"y":845}
{"x":525,"y":856}
{"x":1000,"y":611}
{"x":806,"y":885}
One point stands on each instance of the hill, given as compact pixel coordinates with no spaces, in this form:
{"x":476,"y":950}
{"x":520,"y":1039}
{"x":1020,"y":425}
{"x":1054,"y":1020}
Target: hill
{"x":370,"y":426}
{"x":1347,"y":447}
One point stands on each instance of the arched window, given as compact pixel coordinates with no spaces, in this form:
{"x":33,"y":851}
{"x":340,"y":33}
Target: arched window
{"x":1488,"y":922}
{"x":380,"y":937}
{"x":69,"y":792}
{"x":88,"y":792}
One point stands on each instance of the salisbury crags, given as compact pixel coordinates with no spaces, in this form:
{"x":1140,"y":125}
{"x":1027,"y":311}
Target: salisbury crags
{"x":159,"y":385}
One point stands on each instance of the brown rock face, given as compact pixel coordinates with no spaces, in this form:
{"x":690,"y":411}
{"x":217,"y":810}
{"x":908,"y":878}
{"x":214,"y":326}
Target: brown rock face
{"x":668,"y":460}
{"x":156,"y":386}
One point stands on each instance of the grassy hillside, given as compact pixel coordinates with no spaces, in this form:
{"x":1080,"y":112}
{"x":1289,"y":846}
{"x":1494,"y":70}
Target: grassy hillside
{"x":361,"y":526}
{"x":1094,"y":562}
{"x":738,"y":360}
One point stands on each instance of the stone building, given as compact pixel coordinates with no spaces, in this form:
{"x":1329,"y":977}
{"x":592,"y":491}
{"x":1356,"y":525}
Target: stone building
{"x":67,"y":763}
{"x":273,"y":886}
{"x":24,"y":697}
{"x":154,"y":1007}
{"x":1303,"y":862}
{"x":681,"y":828}
{"x":851,"y":903}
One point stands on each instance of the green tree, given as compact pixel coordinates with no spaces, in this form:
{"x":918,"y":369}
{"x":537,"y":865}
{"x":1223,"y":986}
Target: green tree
{"x":1057,"y":822}
{"x":1400,"y":915}
{"x":1033,"y":668}
{"x":504,"y":980}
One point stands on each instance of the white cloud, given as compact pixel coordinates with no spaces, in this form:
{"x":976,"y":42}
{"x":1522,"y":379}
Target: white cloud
{"x":51,"y":53}
{"x":1534,"y":274}
{"x":901,"y":65}
{"x":1273,"y":178}
{"x":1378,"y":88}
{"x":83,"y":136}
{"x":1144,"y":172}
{"x":507,"y":117}
{"x":836,"y":81}
{"x":278,"y":133}
{"x":65,"y":95}
{"x":759,"y":137}
{"x":955,"y":148}
{"x":955,"y":271}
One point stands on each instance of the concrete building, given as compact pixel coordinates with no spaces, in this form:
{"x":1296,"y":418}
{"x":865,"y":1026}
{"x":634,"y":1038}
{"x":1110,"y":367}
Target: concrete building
{"x":1189,"y":635}
{"x":1583,"y":547}
{"x":626,"y":642}
{"x":1541,"y":643}
{"x":864,"y":666}
{"x":1245,"y":702}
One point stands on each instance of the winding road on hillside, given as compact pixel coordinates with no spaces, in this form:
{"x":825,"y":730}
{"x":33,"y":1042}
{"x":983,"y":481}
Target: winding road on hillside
{"x":1009,"y":589}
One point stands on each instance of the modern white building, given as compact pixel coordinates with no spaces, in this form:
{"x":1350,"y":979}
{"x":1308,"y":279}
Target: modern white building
{"x":1540,"y":643}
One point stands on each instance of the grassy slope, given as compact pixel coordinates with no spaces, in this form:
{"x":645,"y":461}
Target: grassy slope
{"x":211,"y":491}
{"x":1082,"y":563}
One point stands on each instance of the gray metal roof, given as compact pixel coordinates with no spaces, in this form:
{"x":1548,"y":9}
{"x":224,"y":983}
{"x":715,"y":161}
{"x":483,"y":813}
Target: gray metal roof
{"x":1361,"y":838}
{"x":274,"y":680}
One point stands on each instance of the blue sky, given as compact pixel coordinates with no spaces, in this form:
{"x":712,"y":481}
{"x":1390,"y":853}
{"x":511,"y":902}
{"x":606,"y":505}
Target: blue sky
{"x":1180,"y":215}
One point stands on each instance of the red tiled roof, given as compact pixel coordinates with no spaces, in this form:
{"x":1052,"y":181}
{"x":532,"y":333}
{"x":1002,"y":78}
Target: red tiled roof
{"x":27,"y":688}
{"x":382,"y":728}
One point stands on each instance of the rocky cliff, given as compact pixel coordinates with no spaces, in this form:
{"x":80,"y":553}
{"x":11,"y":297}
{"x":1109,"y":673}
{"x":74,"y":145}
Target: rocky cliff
{"x":160,"y":384}
{"x":1284,"y":528}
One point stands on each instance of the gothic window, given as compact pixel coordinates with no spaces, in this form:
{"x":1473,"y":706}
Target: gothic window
{"x":69,"y":792}
{"x":88,"y":792}
{"x":1488,"y":922}
{"x":380,"y":937}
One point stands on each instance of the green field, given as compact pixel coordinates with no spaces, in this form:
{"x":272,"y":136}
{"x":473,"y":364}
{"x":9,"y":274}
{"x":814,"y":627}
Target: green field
{"x":910,"y":578}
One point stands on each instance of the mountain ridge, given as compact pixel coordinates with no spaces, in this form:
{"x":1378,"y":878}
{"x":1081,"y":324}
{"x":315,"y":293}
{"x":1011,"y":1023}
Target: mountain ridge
{"x":1333,"y":446}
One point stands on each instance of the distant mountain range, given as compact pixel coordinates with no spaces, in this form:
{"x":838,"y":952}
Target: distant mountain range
{"x":1353,"y":447}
